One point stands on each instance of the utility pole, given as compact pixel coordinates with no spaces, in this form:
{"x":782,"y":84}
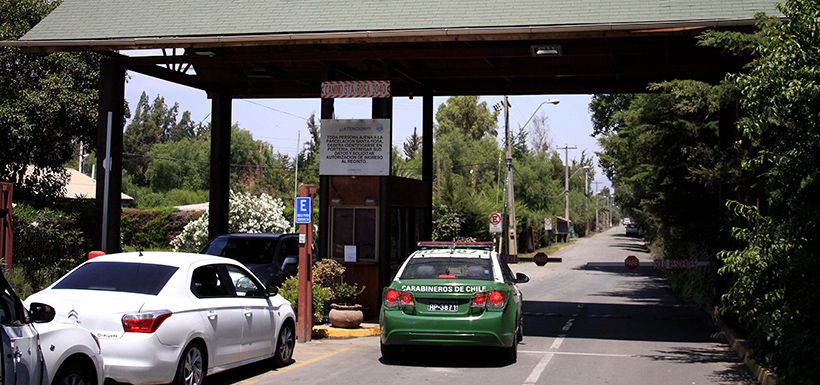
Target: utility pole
{"x":295,"y":177}
{"x":566,"y":149}
{"x":595,"y":195}
{"x":512,"y":244}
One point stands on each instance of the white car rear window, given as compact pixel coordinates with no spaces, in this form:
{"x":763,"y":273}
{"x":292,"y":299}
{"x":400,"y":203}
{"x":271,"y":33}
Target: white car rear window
{"x":142,"y":278}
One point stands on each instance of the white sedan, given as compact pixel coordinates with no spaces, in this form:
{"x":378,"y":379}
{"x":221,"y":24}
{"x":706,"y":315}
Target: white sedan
{"x":36,"y":351}
{"x":166,"y":317}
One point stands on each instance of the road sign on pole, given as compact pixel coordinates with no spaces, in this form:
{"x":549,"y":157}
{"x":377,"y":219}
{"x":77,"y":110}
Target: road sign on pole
{"x":547,"y":224}
{"x":495,"y":223}
{"x":303,"y":210}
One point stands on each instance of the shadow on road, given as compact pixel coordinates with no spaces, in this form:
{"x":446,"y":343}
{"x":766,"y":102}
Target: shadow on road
{"x":448,"y":357}
{"x":634,"y":247}
{"x":618,"y":321}
{"x":242,"y":373}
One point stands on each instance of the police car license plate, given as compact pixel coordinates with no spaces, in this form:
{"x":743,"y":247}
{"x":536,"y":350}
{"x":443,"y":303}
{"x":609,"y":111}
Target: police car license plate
{"x":442,"y":306}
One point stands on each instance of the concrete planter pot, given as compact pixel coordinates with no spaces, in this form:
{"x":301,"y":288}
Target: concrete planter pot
{"x":345,"y":316}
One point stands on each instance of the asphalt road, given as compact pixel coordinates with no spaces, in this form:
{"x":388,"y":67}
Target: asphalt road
{"x":588,"y":320}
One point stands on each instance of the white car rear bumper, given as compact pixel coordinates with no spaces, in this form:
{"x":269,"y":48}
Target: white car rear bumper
{"x":140,"y":359}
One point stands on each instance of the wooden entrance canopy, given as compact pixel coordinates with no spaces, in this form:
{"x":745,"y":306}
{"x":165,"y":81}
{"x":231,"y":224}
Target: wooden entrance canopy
{"x":285,"y":49}
{"x":272,"y":49}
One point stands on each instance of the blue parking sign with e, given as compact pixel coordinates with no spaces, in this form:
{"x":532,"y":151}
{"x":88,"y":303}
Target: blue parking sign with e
{"x":303,"y":210}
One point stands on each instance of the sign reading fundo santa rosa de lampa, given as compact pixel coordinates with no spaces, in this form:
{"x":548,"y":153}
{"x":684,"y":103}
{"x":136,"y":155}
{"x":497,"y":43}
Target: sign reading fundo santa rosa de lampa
{"x":355,"y":147}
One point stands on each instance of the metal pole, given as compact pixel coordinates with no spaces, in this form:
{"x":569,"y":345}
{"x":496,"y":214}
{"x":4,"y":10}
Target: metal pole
{"x":296,"y":177}
{"x":595,"y":195}
{"x":106,"y":182}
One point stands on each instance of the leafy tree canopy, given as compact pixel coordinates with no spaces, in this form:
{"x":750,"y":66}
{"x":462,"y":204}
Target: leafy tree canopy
{"x":48,"y":104}
{"x":466,"y":115}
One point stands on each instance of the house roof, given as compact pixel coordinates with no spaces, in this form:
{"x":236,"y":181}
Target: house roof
{"x":164,"y":22}
{"x":81,"y":186}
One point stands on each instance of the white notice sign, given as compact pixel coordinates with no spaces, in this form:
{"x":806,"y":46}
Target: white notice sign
{"x":350,"y":253}
{"x":355,"y":147}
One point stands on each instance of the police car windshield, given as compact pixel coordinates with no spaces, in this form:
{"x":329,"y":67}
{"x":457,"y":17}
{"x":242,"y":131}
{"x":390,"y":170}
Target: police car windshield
{"x":445,"y":267}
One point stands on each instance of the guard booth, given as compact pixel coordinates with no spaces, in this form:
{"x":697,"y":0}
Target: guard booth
{"x":562,"y":228}
{"x":370,"y":220}
{"x":374,"y":224}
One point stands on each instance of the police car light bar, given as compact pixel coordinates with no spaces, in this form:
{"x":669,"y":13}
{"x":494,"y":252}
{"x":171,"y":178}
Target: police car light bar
{"x":456,"y":245}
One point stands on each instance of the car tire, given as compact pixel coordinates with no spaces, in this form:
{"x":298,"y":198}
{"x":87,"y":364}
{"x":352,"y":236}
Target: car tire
{"x":389,"y":352}
{"x":284,"y":346}
{"x":193,"y":366}
{"x":73,"y":375}
{"x":520,"y":334}
{"x":510,"y":354}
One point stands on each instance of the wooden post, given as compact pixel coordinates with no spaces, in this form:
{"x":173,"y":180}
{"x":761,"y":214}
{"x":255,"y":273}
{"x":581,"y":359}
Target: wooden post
{"x":220,"y":170}
{"x":6,"y":233}
{"x":304,"y":311}
{"x":109,"y":180}
{"x":427,"y":162}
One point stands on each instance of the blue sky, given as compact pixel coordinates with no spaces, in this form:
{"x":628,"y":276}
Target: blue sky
{"x":278,"y":121}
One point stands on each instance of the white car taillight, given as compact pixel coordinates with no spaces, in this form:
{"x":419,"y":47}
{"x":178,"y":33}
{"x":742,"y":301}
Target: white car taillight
{"x":145,"y":322}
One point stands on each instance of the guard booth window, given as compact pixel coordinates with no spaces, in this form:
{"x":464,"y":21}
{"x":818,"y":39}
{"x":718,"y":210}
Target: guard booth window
{"x":354,"y":226}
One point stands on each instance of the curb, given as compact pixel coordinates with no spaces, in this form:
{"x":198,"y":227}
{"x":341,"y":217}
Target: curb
{"x":330,"y":332}
{"x":743,"y":348}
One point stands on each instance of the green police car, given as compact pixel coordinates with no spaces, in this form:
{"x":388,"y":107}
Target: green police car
{"x":453,"y":294}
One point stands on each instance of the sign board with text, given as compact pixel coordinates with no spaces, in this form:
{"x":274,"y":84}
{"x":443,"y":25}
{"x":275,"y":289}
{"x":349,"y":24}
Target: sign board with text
{"x":356,"y":89}
{"x":547,"y":224}
{"x":495,"y":223}
{"x":303,"y":210}
{"x":355,"y":147}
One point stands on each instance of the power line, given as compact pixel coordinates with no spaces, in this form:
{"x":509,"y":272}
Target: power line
{"x":274,"y":109}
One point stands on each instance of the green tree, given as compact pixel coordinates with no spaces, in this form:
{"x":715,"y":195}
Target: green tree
{"x":466,"y":115}
{"x":774,"y":293}
{"x":308,"y":157}
{"x":48,"y":103}
{"x":519,"y":143}
{"x":412,"y":145}
{"x":152,"y":123}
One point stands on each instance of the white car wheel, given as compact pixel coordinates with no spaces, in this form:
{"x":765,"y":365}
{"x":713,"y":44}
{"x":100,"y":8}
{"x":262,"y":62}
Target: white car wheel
{"x":191,"y":370}
{"x":285,"y":345}
{"x":72,"y":376}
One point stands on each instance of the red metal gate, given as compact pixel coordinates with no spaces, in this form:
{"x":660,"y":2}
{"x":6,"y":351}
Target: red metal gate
{"x":6,"y":233}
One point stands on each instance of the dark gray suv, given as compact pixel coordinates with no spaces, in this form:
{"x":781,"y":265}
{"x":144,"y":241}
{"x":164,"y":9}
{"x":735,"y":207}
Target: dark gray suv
{"x":271,"y":257}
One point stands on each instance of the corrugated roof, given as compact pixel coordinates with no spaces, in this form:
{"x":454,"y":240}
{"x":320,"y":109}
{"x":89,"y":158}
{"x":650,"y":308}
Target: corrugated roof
{"x":124,"y":19}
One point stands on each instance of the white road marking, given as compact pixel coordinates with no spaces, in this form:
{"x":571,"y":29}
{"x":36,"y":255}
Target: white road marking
{"x":536,"y":372}
{"x":577,"y":353}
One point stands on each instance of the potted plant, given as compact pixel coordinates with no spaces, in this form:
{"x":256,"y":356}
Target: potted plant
{"x":344,"y":311}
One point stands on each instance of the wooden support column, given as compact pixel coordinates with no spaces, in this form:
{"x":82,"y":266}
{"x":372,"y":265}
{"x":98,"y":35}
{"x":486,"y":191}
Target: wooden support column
{"x":304,"y":310}
{"x":220,"y":163}
{"x":324,"y":180}
{"x":109,"y":155}
{"x":382,"y":108}
{"x":427,"y":161}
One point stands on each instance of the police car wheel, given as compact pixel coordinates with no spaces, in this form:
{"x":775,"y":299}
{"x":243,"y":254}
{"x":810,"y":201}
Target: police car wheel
{"x":389,"y":352}
{"x":510,"y":354}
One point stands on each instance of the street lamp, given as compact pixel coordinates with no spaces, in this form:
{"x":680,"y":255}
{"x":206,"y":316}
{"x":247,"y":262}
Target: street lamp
{"x":548,"y":101}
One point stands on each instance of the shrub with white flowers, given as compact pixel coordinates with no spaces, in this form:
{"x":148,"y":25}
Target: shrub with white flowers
{"x":246,"y":214}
